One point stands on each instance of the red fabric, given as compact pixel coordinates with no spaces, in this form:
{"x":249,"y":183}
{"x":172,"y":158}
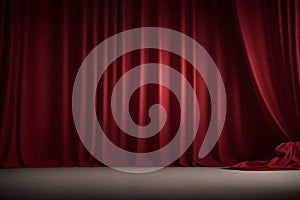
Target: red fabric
{"x":286,"y":156}
{"x":43,"y":43}
{"x":271,"y":40}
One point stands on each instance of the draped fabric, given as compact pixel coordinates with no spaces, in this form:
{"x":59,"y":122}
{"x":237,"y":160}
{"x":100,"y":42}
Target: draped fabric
{"x":272,"y":46}
{"x":255,"y":46}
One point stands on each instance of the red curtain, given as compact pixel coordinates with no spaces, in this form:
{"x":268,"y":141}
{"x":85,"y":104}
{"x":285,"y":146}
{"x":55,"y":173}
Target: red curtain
{"x":270,"y":33}
{"x":255,"y":46}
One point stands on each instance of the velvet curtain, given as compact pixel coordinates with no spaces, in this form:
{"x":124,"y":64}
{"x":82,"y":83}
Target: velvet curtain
{"x":255,"y":46}
{"x":272,"y":46}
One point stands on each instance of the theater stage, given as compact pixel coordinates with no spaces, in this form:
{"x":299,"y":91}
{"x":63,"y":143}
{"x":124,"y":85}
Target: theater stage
{"x":168,"y":183}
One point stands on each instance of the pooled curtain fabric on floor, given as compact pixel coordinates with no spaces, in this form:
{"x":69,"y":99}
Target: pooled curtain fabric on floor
{"x":254,"y":44}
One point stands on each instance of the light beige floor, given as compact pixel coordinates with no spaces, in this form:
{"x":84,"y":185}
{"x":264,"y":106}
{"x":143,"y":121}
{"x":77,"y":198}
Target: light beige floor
{"x":168,"y":183}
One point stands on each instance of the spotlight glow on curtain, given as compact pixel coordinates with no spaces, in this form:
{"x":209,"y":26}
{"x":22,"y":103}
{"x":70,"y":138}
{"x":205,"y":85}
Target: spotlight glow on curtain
{"x":254,"y":44}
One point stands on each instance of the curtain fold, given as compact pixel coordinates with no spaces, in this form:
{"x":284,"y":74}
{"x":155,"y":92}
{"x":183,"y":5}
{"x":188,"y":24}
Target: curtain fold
{"x":271,"y":40}
{"x":255,"y":46}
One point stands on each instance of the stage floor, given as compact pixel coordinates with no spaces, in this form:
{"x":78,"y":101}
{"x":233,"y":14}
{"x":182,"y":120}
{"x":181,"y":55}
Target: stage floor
{"x":168,"y":183}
